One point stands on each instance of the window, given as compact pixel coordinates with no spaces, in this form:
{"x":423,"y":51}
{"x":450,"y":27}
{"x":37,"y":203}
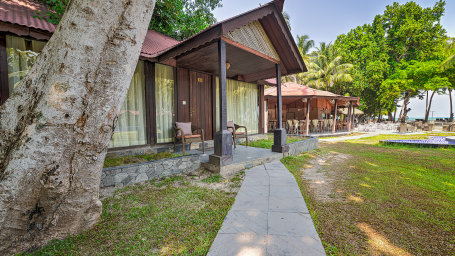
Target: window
{"x":21,"y":55}
{"x":164,"y":98}
{"x":242,"y":104}
{"x":130,"y":130}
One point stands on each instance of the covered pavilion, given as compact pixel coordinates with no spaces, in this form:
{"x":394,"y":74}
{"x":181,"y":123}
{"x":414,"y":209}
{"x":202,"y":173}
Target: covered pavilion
{"x":308,"y":106}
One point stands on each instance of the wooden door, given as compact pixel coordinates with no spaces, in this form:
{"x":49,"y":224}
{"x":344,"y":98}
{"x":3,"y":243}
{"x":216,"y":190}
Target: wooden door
{"x":201,"y":102}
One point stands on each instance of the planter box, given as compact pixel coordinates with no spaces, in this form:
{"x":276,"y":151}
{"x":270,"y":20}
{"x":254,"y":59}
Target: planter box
{"x":303,"y":146}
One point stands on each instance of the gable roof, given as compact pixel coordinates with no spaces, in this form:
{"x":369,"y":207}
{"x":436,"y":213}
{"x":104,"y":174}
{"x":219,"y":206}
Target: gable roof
{"x":273,"y":23}
{"x":22,"y":12}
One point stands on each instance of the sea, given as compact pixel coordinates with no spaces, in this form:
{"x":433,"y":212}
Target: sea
{"x":429,"y":119}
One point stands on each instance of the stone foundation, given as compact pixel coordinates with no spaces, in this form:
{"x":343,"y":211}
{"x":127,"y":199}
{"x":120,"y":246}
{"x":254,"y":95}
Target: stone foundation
{"x":302,"y":146}
{"x":121,"y":176}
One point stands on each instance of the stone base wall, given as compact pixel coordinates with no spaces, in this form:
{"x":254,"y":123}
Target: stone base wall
{"x":302,"y":146}
{"x":121,"y":176}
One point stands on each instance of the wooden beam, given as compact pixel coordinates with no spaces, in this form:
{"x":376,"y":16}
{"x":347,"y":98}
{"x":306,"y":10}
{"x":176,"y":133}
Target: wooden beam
{"x":150,"y":102}
{"x":261,"y":108}
{"x":222,"y":84}
{"x":349,"y":116}
{"x":307,"y":123}
{"x":214,"y":104}
{"x":334,"y":125}
{"x":4,"y":86}
{"x":279,"y":100}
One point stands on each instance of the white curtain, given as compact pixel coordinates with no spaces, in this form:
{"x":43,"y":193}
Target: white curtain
{"x":242,"y":104}
{"x":21,"y":55}
{"x":130,"y":130}
{"x":164,"y":97}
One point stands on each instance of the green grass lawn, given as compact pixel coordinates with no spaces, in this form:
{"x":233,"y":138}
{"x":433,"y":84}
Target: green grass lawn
{"x":349,"y":135}
{"x":268,"y":143}
{"x":176,"y":216}
{"x":125,"y":160}
{"x":384,"y":200}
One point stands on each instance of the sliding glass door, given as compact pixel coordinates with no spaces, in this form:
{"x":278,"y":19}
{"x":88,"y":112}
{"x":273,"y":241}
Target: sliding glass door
{"x":242,"y":104}
{"x":130,"y":130}
{"x":164,"y":98}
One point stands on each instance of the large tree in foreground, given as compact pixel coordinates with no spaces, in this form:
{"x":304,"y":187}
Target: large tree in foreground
{"x":55,"y":128}
{"x":179,"y":19}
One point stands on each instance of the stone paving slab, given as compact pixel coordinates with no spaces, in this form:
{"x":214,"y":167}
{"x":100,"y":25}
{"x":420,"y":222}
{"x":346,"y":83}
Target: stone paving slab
{"x":269,"y":217}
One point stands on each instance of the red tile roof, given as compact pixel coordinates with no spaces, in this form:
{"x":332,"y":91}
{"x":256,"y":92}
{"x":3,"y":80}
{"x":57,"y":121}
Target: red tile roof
{"x":155,"y":43}
{"x":22,"y":12}
{"x":293,"y":89}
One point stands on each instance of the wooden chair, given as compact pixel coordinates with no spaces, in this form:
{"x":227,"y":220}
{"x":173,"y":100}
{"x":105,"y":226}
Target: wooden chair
{"x":189,"y":135}
{"x":295,"y":126}
{"x":288,"y":126}
{"x":232,"y":127}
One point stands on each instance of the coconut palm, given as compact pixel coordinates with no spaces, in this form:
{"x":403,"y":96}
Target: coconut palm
{"x":327,"y":69}
{"x":450,"y":49}
{"x":304,"y":45}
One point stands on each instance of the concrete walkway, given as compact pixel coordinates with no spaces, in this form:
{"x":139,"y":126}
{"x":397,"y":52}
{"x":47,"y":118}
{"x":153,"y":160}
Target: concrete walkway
{"x":269,"y":217}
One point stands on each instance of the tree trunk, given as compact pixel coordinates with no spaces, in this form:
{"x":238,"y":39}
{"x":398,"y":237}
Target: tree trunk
{"x":389,"y":115}
{"x":404,"y":108}
{"x":427,"y":111}
{"x":451,"y":106}
{"x":56,"y":127}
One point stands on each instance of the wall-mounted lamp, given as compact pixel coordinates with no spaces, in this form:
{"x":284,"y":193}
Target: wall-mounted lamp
{"x":228,"y":65}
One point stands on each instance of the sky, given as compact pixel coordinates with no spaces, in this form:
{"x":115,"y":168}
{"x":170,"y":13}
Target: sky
{"x":324,"y":20}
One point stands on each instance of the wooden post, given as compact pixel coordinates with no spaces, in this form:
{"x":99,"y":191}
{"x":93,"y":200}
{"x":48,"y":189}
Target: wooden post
{"x":279,"y":135}
{"x":150,"y":102}
{"x":279,"y":100}
{"x":307,"y":123}
{"x":223,"y":138}
{"x":349,"y":116}
{"x":4,"y":86}
{"x":352,"y":117}
{"x":334,"y":125}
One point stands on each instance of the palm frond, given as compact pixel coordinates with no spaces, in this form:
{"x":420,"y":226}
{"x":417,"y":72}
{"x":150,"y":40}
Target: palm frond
{"x":448,"y":63}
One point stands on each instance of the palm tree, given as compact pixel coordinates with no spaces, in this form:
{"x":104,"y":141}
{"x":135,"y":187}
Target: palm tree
{"x":449,"y":63}
{"x":450,"y":49}
{"x":327,"y":69}
{"x":305,"y":44}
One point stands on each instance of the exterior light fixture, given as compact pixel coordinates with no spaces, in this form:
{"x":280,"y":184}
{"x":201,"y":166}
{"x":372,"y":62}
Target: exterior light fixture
{"x":228,"y":65}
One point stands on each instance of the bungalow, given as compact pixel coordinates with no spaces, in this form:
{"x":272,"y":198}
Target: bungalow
{"x":207,"y":79}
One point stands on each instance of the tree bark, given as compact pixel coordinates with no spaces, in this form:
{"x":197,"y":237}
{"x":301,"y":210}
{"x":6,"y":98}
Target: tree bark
{"x":404,"y":108}
{"x":451,"y":105}
{"x":56,"y":127}
{"x":427,"y":111}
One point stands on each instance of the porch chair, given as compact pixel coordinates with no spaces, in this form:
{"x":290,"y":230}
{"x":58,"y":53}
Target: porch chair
{"x":295,"y":126}
{"x":288,"y":126}
{"x":315,"y":125}
{"x":232,"y":127}
{"x":330,"y":125}
{"x":185,"y":133}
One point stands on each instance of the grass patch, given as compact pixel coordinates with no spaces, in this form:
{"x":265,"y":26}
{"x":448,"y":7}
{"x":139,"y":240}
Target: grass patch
{"x":349,"y":135}
{"x":404,"y":198}
{"x":213,"y":179}
{"x":173,"y":216}
{"x":376,"y":139}
{"x":125,"y":160}
{"x":268,"y":143}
